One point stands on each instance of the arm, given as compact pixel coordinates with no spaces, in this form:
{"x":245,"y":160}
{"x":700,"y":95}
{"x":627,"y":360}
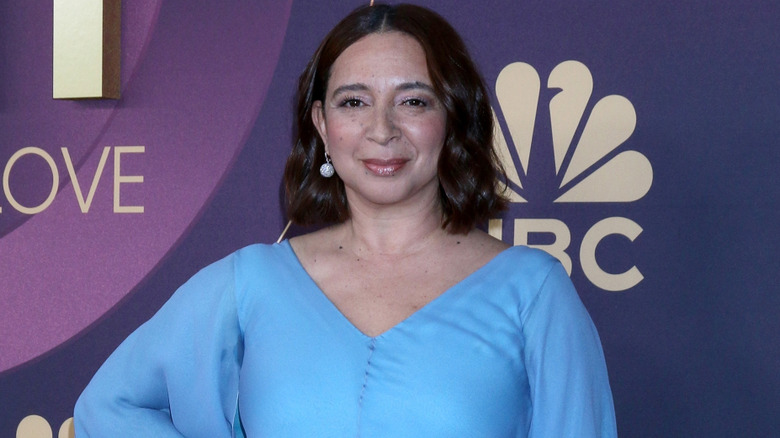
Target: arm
{"x":566,"y":369}
{"x":177,"y":374}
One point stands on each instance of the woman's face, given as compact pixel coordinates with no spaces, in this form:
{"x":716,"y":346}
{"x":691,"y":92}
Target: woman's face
{"x":382,"y":124}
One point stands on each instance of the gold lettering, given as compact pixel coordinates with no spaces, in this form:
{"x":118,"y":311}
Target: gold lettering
{"x":54,"y":184}
{"x":607,"y":281}
{"x":84,"y":205}
{"x":495,"y":228}
{"x":121,"y":179}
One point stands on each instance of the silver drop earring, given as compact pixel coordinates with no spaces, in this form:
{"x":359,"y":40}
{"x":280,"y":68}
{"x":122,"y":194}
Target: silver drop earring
{"x":327,"y":169}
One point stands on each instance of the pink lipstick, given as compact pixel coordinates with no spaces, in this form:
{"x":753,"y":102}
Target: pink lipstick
{"x":384,"y":167}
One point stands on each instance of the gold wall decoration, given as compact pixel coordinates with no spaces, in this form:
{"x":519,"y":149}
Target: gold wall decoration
{"x":86,"y":49}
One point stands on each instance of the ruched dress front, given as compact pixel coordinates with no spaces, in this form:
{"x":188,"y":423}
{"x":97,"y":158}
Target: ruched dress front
{"x":509,"y":351}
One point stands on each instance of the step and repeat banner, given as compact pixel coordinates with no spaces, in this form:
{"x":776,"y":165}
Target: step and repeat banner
{"x":640,"y":141}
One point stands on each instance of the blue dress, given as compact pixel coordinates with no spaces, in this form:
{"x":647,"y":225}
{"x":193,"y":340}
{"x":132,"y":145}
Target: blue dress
{"x":510,"y":351}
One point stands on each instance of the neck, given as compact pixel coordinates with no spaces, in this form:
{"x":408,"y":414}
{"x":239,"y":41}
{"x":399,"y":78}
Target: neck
{"x":394,"y":232}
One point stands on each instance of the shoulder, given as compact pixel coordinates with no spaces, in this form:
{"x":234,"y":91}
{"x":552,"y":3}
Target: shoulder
{"x":251,"y":255}
{"x":524,"y":260}
{"x":531,"y":273}
{"x":261,"y":259}
{"x":469,"y":252}
{"x":254,"y":272}
{"x":314,"y":244}
{"x":519,"y":265}
{"x":260,"y":252}
{"x":250,"y":261}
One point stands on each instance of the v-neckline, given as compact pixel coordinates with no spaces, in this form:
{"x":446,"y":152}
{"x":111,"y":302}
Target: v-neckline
{"x":414,"y":315}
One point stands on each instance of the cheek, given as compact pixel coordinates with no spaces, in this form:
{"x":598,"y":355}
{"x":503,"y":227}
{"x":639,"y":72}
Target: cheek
{"x":341,"y":137}
{"x":336,"y":133}
{"x":342,"y":127}
{"x":430,"y":136}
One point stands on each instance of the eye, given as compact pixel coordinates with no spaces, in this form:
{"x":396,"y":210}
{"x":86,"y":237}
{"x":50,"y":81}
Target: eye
{"x":351,"y":102}
{"x":414,"y":101}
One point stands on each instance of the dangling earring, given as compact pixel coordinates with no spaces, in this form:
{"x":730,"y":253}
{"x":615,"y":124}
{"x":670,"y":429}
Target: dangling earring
{"x":327,"y":169}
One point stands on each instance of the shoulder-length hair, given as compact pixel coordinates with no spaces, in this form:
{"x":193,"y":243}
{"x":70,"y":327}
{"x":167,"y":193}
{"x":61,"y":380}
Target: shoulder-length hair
{"x":469,"y":172}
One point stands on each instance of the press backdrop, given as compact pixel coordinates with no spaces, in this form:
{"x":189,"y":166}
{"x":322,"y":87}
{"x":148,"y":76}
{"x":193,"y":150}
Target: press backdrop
{"x":641,"y":140}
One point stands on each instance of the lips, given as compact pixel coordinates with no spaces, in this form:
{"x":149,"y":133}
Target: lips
{"x":385,"y":167}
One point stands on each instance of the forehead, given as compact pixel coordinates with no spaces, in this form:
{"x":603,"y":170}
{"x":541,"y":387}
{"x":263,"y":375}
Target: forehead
{"x":381,"y":56}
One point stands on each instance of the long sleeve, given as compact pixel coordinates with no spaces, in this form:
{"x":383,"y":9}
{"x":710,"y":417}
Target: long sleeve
{"x":177,"y":374}
{"x":570,"y":394}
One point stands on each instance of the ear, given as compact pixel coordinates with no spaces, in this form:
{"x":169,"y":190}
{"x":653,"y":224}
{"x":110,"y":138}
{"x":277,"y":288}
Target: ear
{"x":318,"y":118}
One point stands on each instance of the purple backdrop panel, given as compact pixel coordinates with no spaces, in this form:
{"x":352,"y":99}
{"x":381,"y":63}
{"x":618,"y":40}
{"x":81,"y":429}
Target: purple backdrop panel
{"x":191,"y":109}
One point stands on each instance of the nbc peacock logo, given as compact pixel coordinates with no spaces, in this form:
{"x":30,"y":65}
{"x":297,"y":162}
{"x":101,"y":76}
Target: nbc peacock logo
{"x":590,"y":160}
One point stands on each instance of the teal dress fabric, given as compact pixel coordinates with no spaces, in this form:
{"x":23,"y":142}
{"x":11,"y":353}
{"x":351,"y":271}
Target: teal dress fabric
{"x":510,"y":351}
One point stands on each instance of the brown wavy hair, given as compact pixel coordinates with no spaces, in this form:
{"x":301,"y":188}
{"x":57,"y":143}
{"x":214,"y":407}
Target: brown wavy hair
{"x":470,"y":188}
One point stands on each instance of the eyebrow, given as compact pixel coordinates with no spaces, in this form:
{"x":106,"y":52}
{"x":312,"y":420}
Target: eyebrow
{"x":349,"y":87}
{"x":406,"y":86}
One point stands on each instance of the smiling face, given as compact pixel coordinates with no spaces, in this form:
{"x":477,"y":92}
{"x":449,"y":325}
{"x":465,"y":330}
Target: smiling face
{"x":382,"y":124}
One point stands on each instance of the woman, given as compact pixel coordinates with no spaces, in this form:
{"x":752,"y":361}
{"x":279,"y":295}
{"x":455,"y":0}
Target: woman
{"x":401,"y":319}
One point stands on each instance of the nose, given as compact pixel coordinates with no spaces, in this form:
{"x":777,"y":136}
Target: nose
{"x":383,"y":127}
